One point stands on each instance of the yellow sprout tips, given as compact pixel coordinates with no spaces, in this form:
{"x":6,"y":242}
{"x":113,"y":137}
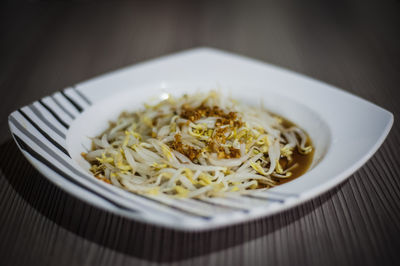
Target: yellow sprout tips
{"x":199,"y":145}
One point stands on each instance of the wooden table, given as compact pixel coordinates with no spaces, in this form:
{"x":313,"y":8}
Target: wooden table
{"x":48,"y":45}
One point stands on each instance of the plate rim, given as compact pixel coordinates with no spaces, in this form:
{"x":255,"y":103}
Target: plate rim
{"x":329,"y":184}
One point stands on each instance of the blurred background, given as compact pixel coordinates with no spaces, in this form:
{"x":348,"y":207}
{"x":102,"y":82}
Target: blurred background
{"x":46,"y":46}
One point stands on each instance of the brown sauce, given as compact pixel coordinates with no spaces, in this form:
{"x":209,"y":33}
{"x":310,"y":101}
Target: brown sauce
{"x":303,"y":160}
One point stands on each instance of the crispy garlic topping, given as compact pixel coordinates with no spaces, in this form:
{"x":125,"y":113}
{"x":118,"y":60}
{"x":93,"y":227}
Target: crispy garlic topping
{"x":200,"y":145}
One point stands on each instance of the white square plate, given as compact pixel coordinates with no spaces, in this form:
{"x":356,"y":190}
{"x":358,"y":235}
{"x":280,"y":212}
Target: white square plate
{"x":52,"y":132}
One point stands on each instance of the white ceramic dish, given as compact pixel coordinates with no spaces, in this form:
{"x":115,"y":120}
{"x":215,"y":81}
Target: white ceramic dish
{"x":52,"y":132}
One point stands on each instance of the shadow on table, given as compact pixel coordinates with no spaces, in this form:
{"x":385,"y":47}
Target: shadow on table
{"x":130,"y":237}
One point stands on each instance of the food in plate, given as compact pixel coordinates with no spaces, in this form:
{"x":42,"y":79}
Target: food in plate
{"x":199,"y":145}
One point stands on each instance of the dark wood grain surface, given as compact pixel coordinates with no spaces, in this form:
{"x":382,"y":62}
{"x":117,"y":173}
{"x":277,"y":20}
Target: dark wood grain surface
{"x":48,"y":45}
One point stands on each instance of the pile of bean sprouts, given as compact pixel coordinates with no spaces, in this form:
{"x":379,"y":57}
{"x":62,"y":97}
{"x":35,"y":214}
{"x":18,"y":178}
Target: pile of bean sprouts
{"x":198,"y":145}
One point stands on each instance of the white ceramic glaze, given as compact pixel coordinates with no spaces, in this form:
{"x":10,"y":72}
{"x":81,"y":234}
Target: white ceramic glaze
{"x":345,"y":129}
